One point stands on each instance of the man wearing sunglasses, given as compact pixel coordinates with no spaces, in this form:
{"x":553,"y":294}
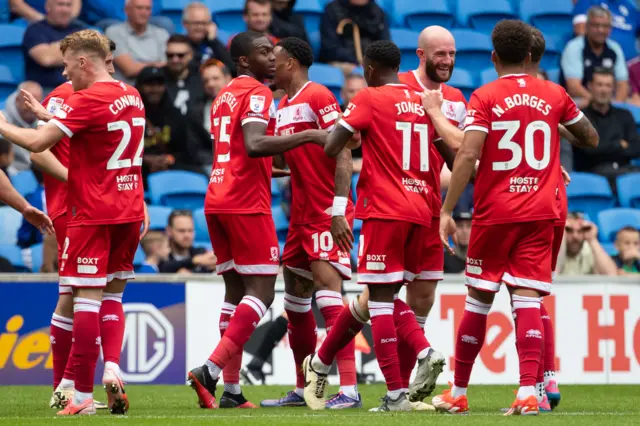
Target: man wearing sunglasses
{"x":183,"y":81}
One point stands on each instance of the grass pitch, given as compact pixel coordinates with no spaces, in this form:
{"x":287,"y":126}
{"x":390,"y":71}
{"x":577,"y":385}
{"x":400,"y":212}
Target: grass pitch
{"x":176,"y":405}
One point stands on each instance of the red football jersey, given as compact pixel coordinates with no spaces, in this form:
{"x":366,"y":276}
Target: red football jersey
{"x":312,"y":172}
{"x":396,"y":134}
{"x":239,"y":184}
{"x":562,"y":201}
{"x":454,"y":107}
{"x":56,"y":191}
{"x":106,"y":126}
{"x":519,"y":166}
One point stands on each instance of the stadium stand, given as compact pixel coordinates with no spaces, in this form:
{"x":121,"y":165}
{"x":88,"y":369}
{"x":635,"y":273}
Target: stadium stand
{"x":36,"y":257}
{"x":589,"y":193}
{"x":173,"y":9}
{"x":10,"y":221}
{"x":629,"y":190}
{"x":158,"y":216}
{"x":228,"y":15}
{"x":11,"y":50}
{"x":483,"y":15}
{"x":276,"y":194}
{"x":25,"y":182}
{"x":463,"y":80}
{"x":473,"y":49}
{"x":281,"y":222}
{"x":552,"y":17}
{"x":178,"y":189}
{"x":8,"y":83}
{"x":329,"y":76}
{"x":610,"y":221}
{"x":201,"y":228}
{"x":406,"y":41}
{"x":419,"y":15}
{"x":14,"y":255}
{"x":311,"y":10}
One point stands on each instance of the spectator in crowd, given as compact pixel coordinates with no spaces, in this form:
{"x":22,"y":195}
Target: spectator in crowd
{"x":215,"y":76}
{"x":183,"y":79}
{"x":347,"y":29}
{"x":257,"y":15}
{"x":171,"y":141}
{"x":353,"y":83}
{"x":628,"y":245}
{"x":35,"y":10}
{"x":41,"y":44}
{"x":456,"y":263}
{"x":286,"y":23}
{"x":202,"y":33}
{"x":581,"y":253}
{"x":6,"y":158}
{"x":624,"y":17}
{"x":17,"y":113}
{"x":619,"y":141}
{"x":593,"y":50}
{"x":183,"y":257}
{"x":138,"y":43}
{"x":156,"y":250}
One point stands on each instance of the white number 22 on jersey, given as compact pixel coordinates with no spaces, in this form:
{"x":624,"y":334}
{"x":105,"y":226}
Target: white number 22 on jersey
{"x":511,"y":128}
{"x":116,"y":162}
{"x":423,"y":131}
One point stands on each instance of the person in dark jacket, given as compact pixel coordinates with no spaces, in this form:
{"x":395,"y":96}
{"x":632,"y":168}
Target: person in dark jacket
{"x":285,"y":23}
{"x":347,"y":28}
{"x":183,"y":257}
{"x":183,"y":81}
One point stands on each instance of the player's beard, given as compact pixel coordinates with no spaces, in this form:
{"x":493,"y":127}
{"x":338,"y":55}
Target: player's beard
{"x":432,"y":72}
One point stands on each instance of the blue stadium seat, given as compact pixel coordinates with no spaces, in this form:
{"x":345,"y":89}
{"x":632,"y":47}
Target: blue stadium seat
{"x":36,"y":257}
{"x":158,"y":217}
{"x":473,"y":49}
{"x":354,"y":185}
{"x":357,"y":228}
{"x":8,"y":84}
{"x":463,"y":80}
{"x":11,"y":49}
{"x":589,"y":193}
{"x":610,"y":248}
{"x":329,"y":76}
{"x":488,"y":75}
{"x":178,"y":189}
{"x":419,"y":15}
{"x":5,"y":11}
{"x":173,"y":9}
{"x":281,"y":222}
{"x":553,"y":52}
{"x":634,"y":110}
{"x":200,"y":224}
{"x":10,"y":221}
{"x":311,"y":11}
{"x":629,"y":190}
{"x":13,"y":254}
{"x":407,"y":41}
{"x":276,"y":194}
{"x":24,"y":182}
{"x":228,"y":15}
{"x":552,"y":17}
{"x":314,"y":40}
{"x":483,"y":15}
{"x":223,"y":36}
{"x":138,"y":258}
{"x":554,"y":74}
{"x":612,"y":220}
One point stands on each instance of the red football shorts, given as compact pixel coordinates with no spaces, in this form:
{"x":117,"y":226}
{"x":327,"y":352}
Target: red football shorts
{"x":392,"y":251}
{"x":518,"y":254}
{"x":311,"y":242}
{"x":432,"y":262}
{"x":246,"y":243}
{"x":97,"y":254}
{"x":558,"y":234}
{"x":60,"y":226}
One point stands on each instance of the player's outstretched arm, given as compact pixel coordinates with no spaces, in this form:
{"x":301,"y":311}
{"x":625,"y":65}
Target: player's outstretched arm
{"x":31,"y":139}
{"x":586,"y":136}
{"x":340,"y":229}
{"x":49,"y":164}
{"x":36,"y":107}
{"x":13,"y":199}
{"x":260,"y":145}
{"x":337,"y":140}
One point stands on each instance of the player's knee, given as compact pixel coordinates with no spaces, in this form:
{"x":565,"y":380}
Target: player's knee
{"x":481,"y":296}
{"x":64,"y":307}
{"x":115,"y":286}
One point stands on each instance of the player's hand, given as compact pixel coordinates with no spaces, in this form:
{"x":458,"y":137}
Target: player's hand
{"x":355,"y":142}
{"x":35,"y":107}
{"x":447,"y":228}
{"x":3,"y":119}
{"x":590,"y":231}
{"x":341,"y":233}
{"x":145,"y":222}
{"x":565,"y":176}
{"x":317,"y":136}
{"x":208,"y":260}
{"x":432,"y":99}
{"x":212,"y":31}
{"x":38,"y":219}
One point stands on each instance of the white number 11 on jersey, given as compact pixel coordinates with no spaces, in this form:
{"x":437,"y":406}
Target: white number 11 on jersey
{"x":423,"y":131}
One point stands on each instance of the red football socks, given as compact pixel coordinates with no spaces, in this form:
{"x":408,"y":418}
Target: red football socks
{"x":411,"y":339}
{"x":302,"y":331}
{"x":231,"y":372}
{"x":549,"y":340}
{"x":61,"y":337}
{"x":385,"y":343}
{"x":529,"y":335}
{"x":345,"y":329}
{"x":469,"y":339}
{"x":112,"y":322}
{"x":86,"y":342}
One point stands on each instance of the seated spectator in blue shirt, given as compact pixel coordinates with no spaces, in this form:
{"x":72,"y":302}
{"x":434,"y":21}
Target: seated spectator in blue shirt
{"x":628,"y":246}
{"x":156,"y":250}
{"x":41,"y":44}
{"x":624,"y":14}
{"x":34,"y":10}
{"x":594,"y":49}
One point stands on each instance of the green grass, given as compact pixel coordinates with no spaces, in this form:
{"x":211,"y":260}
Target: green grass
{"x":169,"y":405}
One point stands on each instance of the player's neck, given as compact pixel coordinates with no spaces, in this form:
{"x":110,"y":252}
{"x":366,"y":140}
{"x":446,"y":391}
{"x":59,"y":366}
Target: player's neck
{"x":245,"y":71}
{"x":296,"y":84}
{"x":510,"y":70}
{"x":425,"y":80}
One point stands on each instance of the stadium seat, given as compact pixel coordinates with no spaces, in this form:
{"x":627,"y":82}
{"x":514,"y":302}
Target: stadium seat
{"x":276,"y":193}
{"x":8,"y":84}
{"x":634,"y":110}
{"x":407,"y":41}
{"x":10,"y":221}
{"x":173,"y":9}
{"x":329,"y":76}
{"x":463,"y":80}
{"x":224,"y":36}
{"x":553,"y":52}
{"x":5,"y":11}
{"x":314,"y":40}
{"x":36,"y":257}
{"x":483,"y":15}
{"x":357,"y":228}
{"x":610,"y":248}
{"x":419,"y":15}
{"x":24,"y":182}
{"x":473,"y":49}
{"x":311,"y":11}
{"x":281,"y":222}
{"x":228,"y":15}
{"x":552,"y":17}
{"x":178,"y":189}
{"x":612,"y":220}
{"x":354,"y":185}
{"x":13,"y":254}
{"x":629,"y":190}
{"x":554,"y":74}
{"x":200,"y":224}
{"x":158,"y":217}
{"x":138,"y":258}
{"x":589,"y":193}
{"x":488,"y":75}
{"x":11,"y":49}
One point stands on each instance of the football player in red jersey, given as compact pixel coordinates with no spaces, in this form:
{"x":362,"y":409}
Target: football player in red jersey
{"x":238,"y":212}
{"x":105,"y":203}
{"x":515,"y":203}
{"x":312,"y":261}
{"x":393,"y":202}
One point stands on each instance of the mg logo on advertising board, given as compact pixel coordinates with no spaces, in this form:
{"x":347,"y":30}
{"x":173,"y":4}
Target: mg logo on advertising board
{"x":148,"y":343}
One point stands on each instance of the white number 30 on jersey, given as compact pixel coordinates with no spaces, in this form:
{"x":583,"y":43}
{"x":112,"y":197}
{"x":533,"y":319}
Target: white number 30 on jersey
{"x":116,"y":162}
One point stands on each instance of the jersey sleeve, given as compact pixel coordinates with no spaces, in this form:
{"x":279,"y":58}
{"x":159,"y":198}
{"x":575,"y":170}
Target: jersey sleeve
{"x":258,"y":108}
{"x":571,"y":114}
{"x":358,"y":114}
{"x":53,"y":102}
{"x":325,"y":105}
{"x":74,"y":115}
{"x":478,"y":116}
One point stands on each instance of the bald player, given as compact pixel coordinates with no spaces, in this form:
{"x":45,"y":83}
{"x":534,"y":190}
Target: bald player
{"x":437,"y":52}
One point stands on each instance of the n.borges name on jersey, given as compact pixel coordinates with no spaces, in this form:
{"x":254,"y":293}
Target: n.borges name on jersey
{"x":522,"y":100}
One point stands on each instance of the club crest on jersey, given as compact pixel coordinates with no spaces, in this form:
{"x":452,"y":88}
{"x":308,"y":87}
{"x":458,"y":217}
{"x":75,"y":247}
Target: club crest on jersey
{"x":257,"y":103}
{"x":274,"y":254}
{"x":298,"y":114}
{"x":521,"y":82}
{"x":54,"y":105}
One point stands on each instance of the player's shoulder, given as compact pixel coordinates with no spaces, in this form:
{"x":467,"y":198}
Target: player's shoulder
{"x":452,"y":94}
{"x":316,"y":89}
{"x":62,"y":91}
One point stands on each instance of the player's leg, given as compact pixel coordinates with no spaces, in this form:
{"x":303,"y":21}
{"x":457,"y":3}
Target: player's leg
{"x":550,"y":383}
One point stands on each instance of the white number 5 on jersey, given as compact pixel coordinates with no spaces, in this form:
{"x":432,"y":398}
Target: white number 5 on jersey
{"x":116,"y":162}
